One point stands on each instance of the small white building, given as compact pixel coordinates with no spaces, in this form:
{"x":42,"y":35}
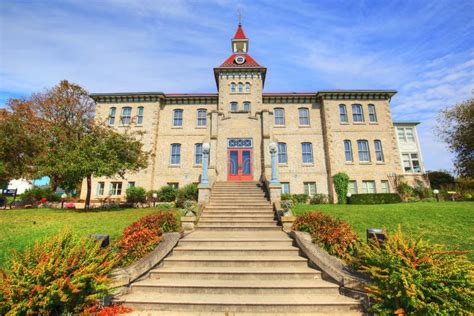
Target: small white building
{"x":20,"y":184}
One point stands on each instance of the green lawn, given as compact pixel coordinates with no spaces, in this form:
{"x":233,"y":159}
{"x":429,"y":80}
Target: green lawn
{"x":20,"y":228}
{"x":447,"y":223}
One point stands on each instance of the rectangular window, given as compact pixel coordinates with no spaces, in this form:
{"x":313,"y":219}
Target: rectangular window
{"x":411,"y":163}
{"x":363,"y":149}
{"x":352,"y":188}
{"x":115,"y":188}
{"x":401,"y":135}
{"x":406,"y":163}
{"x":178,"y":118}
{"x":100,"y":188}
{"x":307,"y":151}
{"x":285,"y":187}
{"x":247,"y":106}
{"x":140,"y":115}
{"x":304,"y":116}
{"x":348,"y":150}
{"x":368,"y":186}
{"x":112,"y":115}
{"x":233,"y":106}
{"x":201,"y":117}
{"x":410,"y":136}
{"x":279,"y":117}
{"x":174,"y":185}
{"x":131,"y":185}
{"x":310,"y":188}
{"x":385,"y":186}
{"x":357,"y":113}
{"x":343,"y":113}
{"x":378,"y":150}
{"x":175,"y":154}
{"x":126,"y":116}
{"x":372,"y":113}
{"x":405,"y":135}
{"x":197,"y":154}
{"x":282,"y":155}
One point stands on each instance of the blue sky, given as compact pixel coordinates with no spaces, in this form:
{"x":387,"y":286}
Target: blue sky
{"x":423,"y":49}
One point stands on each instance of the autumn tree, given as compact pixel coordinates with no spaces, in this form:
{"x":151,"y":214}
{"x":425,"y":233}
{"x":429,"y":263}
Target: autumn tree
{"x":456,"y":128}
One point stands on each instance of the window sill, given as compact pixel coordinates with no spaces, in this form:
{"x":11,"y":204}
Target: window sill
{"x":365,"y":162}
{"x":304,"y":126}
{"x":279,"y":126}
{"x":380,"y":162}
{"x":358,"y":123}
{"x":308,"y":164}
{"x":197,"y":166}
{"x":176,"y":127}
{"x":239,"y":111}
{"x":350,"y":163}
{"x":239,"y":93}
{"x":282,"y":165}
{"x":174,"y":166}
{"x":201,"y":127}
{"x":374,"y":123}
{"x":344,"y":123}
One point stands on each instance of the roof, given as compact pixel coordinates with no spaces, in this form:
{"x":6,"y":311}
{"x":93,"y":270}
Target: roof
{"x":249,"y":62}
{"x":406,"y":123}
{"x":240,"y":33}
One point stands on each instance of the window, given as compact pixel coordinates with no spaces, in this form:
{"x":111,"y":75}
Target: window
{"x":247,"y":87}
{"x":241,"y":87}
{"x":126,"y":116}
{"x":401,"y":135}
{"x":348,"y":150}
{"x":201,"y":117}
{"x":175,"y":154}
{"x":405,"y":135}
{"x":282,"y":156}
{"x":247,"y":106}
{"x":174,"y":185}
{"x":363,"y":148}
{"x":372,"y":113}
{"x":233,"y":106}
{"x":178,"y":118}
{"x":232,"y":87}
{"x":309,"y":188}
{"x":100,"y":188}
{"x":112,"y":115}
{"x":197,"y":154}
{"x":285,"y":187}
{"x":279,"y":116}
{"x":140,"y":115}
{"x":343,"y":113}
{"x":410,"y":135}
{"x":411,"y":162}
{"x":357,"y":114}
{"x":115,"y":188}
{"x":131,"y":185}
{"x":307,"y":151}
{"x":378,"y":150}
{"x":385,"y":186}
{"x":304,"y":116}
{"x":352,"y":188}
{"x":368,"y":186}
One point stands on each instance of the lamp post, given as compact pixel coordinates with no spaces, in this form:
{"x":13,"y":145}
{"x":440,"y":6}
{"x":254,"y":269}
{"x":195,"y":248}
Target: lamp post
{"x":205,"y":163}
{"x":63,"y":199}
{"x":155,"y":196}
{"x":436,"y":193}
{"x":273,"y":147}
{"x":348,"y":195}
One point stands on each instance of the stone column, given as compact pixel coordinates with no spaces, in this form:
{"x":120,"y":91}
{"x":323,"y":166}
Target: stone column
{"x":204,"y":188}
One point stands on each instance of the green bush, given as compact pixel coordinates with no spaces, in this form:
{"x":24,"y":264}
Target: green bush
{"x":188,"y":193}
{"x":405,"y":190}
{"x":286,"y":196}
{"x":411,"y":277}
{"x":59,"y":275}
{"x":136,"y":195}
{"x":341,"y":181}
{"x":167,"y":194}
{"x":300,"y":198}
{"x":375,"y":198}
{"x":35,"y":194}
{"x":319,"y":199}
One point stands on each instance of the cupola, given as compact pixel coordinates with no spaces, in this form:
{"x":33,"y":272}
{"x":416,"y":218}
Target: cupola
{"x":240,"y":43}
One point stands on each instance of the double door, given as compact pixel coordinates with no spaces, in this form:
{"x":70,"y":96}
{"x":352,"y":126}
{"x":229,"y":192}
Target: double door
{"x":239,"y":164}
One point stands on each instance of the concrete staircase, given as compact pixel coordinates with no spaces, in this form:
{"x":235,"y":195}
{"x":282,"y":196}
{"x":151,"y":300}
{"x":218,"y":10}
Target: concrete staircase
{"x":237,"y":262}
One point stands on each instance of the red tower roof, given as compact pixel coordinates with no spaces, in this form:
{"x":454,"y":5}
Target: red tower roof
{"x":249,"y":62}
{"x":240,"y":33}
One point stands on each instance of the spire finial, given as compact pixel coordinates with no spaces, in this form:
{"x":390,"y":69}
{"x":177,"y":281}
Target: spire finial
{"x":239,"y":11}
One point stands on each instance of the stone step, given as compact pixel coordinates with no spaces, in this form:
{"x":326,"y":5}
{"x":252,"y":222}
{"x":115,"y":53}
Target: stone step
{"x":239,"y":208}
{"x":240,"y":227}
{"x":237,"y":224}
{"x":237,"y":204}
{"x":234,"y":261}
{"x":235,"y":287}
{"x":244,"y":212}
{"x":242,"y":251}
{"x":226,"y":313}
{"x":239,"y":198}
{"x":331,"y":304}
{"x":269,"y":216}
{"x":235,"y":243}
{"x":236,"y":273}
{"x":229,"y":219}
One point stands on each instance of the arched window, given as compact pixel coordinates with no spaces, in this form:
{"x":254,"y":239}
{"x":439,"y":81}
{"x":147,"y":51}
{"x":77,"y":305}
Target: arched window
{"x":372,"y":113}
{"x":126,"y":115}
{"x":198,"y":153}
{"x":175,"y":154}
{"x":357,"y":113}
{"x":343,"y":113}
{"x":348,"y":150}
{"x":247,"y":87}
{"x":307,"y":152}
{"x":282,"y":155}
{"x":240,"y":87}
{"x":279,"y":116}
{"x":304,"y":116}
{"x":363,"y":149}
{"x":233,"y":106}
{"x":178,"y":117}
{"x":378,"y":150}
{"x":112,"y":111}
{"x":232,"y":87}
{"x":201,"y":117}
{"x":247,"y":106}
{"x":140,"y":110}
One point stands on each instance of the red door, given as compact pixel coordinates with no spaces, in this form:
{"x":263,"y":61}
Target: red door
{"x":239,"y":165}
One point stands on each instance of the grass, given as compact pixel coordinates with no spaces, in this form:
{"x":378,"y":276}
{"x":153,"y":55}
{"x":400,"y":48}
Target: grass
{"x":21,"y":228}
{"x":448,"y":223}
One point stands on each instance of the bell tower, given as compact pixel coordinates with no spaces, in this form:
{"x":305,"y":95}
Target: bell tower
{"x":240,"y":43}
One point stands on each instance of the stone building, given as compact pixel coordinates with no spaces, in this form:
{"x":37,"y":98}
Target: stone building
{"x":318,"y":134}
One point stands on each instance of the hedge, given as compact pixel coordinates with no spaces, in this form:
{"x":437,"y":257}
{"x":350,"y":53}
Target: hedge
{"x":375,"y":198}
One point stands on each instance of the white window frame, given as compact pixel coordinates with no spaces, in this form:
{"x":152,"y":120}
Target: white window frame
{"x":353,"y":190}
{"x":201,"y":117}
{"x":126,"y":115}
{"x":372,"y":113}
{"x":308,"y":188}
{"x":173,"y":184}
{"x":115,"y":188}
{"x":303,"y":114}
{"x":198,"y":154}
{"x":357,"y":115}
{"x":306,"y":153}
{"x":130,"y":184}
{"x":232,"y":87}
{"x":365,"y":186}
{"x":279,"y":116}
{"x":379,"y":157}
{"x":140,"y":112}
{"x":240,"y":87}
{"x":343,"y":113}
{"x":282,"y":153}
{"x":100,"y":188}
{"x":406,"y":134}
{"x":112,"y":113}
{"x":285,"y":187}
{"x":410,"y":162}
{"x":178,"y":117}
{"x":385,"y":186}
{"x":363,"y":150}
{"x":247,"y":87}
{"x":175,"y":154}
{"x":348,"y":155}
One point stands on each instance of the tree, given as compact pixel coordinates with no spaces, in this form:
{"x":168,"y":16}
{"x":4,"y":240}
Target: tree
{"x":440,"y":178}
{"x":456,"y":128}
{"x":341,"y":181}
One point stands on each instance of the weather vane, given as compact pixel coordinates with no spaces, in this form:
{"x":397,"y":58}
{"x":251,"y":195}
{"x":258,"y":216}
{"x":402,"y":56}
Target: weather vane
{"x":240,"y":16}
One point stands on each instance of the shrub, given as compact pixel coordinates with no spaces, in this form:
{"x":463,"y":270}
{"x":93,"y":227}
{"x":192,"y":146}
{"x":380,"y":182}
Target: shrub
{"x":405,"y":190}
{"x":375,"y":198}
{"x":112,"y":310}
{"x":330,"y":233}
{"x":167,"y":194}
{"x":341,"y":181}
{"x":410,"y":276}
{"x":286,"y":204}
{"x":149,"y":195}
{"x":136,"y":195}
{"x":187,"y":193}
{"x":300,"y":198}
{"x":286,"y":196}
{"x":319,"y":199}
{"x":35,"y":194}
{"x":62,"y":274}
